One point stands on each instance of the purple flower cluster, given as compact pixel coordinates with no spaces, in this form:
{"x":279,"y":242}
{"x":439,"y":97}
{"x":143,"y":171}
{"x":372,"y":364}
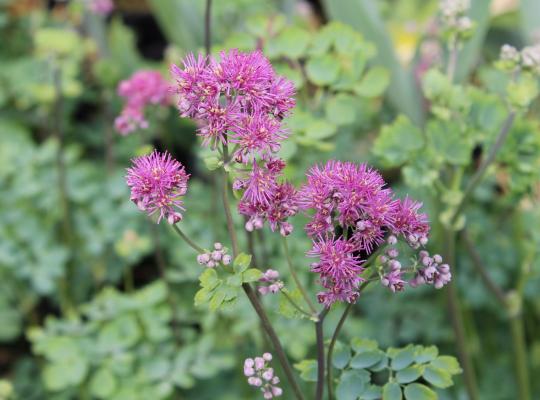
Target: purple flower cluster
{"x":215,"y":257}
{"x":267,"y":199}
{"x":432,"y":271}
{"x":143,"y":88}
{"x":239,"y":100}
{"x":271,"y":277}
{"x":157,"y":183}
{"x":261,"y":375}
{"x":352,"y":214}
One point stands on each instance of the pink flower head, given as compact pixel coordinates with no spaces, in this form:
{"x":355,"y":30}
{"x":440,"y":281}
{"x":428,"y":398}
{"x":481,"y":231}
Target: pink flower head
{"x":236,"y":98}
{"x":266,"y":199}
{"x":338,"y":267}
{"x":409,"y":222}
{"x":157,"y":183}
{"x":142,"y":89}
{"x":262,"y":376}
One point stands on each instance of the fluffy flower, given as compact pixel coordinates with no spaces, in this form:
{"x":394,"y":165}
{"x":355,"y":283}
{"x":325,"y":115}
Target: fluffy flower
{"x":266,"y":199}
{"x":157,"y":183}
{"x":338,"y":267}
{"x":142,"y":89}
{"x":236,"y":98}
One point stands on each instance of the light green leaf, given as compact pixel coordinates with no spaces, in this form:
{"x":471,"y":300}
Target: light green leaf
{"x":209,"y":279}
{"x":437,"y":377}
{"x":367,"y":359}
{"x":391,"y":391}
{"x":360,"y":344}
{"x":217,"y":299}
{"x":417,"y":391}
{"x":251,"y":275}
{"x":448,"y":141}
{"x":341,"y":356}
{"x":374,"y":83}
{"x":352,"y":384}
{"x":292,"y":42}
{"x":322,"y":70}
{"x":373,"y":392}
{"x":103,"y":383}
{"x":409,"y":374}
{"x":341,"y":109}
{"x":320,"y":129}
{"x":398,"y":142}
{"x":447,"y":363}
{"x":241,"y":262}
{"x":425,"y":354}
{"x":202,"y":297}
{"x":308,"y":370}
{"x":402,"y":358}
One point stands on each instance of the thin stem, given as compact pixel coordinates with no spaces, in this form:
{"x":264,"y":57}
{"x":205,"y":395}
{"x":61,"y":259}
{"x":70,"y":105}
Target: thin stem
{"x":520,"y":356}
{"x":208,"y":26}
{"x":482,"y":270}
{"x":329,"y":379}
{"x":457,"y":321}
{"x":319,"y":333}
{"x":295,"y":276}
{"x":477,"y":177}
{"x":294,"y":304}
{"x":252,"y":296}
{"x":190,"y":242}
{"x":335,"y":335}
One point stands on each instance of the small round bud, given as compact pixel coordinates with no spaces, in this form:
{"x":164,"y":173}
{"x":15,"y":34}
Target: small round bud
{"x":267,"y":356}
{"x":392,"y":240}
{"x":437,"y":258}
{"x":218,"y":246}
{"x":226,"y":260}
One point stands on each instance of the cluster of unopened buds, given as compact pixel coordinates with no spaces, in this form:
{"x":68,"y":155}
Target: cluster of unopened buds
{"x":215,"y":257}
{"x":432,"y":271}
{"x":454,"y":15}
{"x":261,"y":375}
{"x":527,"y":59}
{"x":271,"y":277}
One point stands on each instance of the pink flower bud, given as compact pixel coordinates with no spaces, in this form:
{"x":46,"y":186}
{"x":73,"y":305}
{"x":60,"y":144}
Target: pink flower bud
{"x":267,"y":356}
{"x":226,"y":260}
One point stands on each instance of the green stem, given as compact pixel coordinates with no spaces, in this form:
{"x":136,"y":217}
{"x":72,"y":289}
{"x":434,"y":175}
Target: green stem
{"x":190,"y":242}
{"x":319,"y":334}
{"x":457,"y":320}
{"x":252,"y":296}
{"x":520,"y":356}
{"x":295,"y":276}
{"x":329,"y":379}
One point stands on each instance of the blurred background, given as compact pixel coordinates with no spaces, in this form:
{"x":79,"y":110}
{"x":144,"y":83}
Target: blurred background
{"x":96,"y":301}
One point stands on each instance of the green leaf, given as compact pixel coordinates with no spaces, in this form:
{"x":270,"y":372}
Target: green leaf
{"x":437,"y":377}
{"x":217,"y":299}
{"x":352,"y":384}
{"x":447,"y":363}
{"x":367,"y":359}
{"x":241,"y":262}
{"x":341,"y":356}
{"x":320,"y":129}
{"x":251,"y":275}
{"x":391,"y":391}
{"x":202,"y":296}
{"x":70,"y":372}
{"x":402,"y":358}
{"x":398,"y":142}
{"x":374,"y":83}
{"x":522,"y":91}
{"x":341,"y":109}
{"x":209,"y":279}
{"x":360,"y":344}
{"x":292,"y":42}
{"x":425,"y":354}
{"x":417,"y":391}
{"x":409,"y":374}
{"x":234,"y":280}
{"x":103,"y":383}
{"x":373,"y":392}
{"x":322,"y":70}
{"x":449,"y":143}
{"x":308,"y":370}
